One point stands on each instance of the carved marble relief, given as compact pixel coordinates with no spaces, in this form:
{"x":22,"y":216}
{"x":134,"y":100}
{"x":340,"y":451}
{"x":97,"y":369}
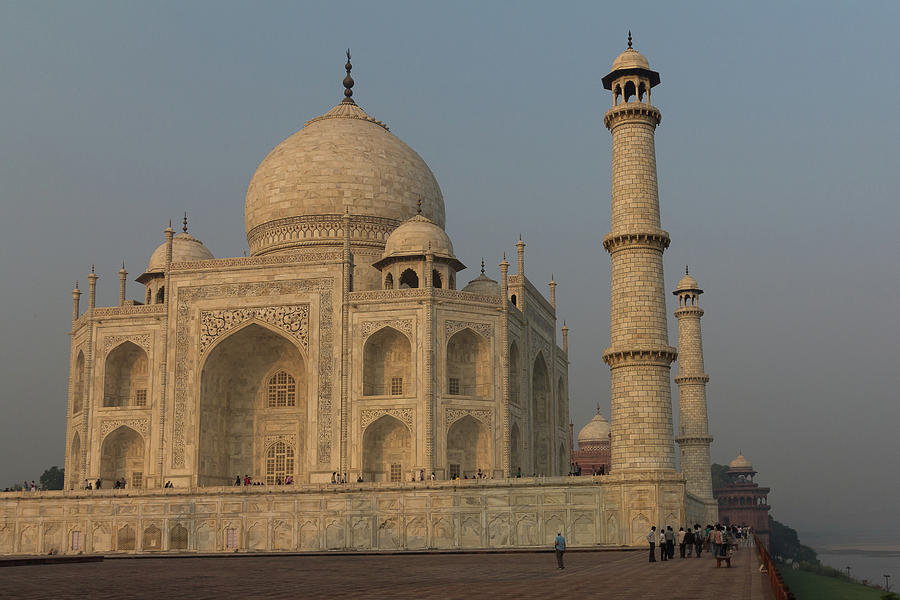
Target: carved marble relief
{"x":451,"y":327}
{"x":142,"y":426}
{"x":402,"y":325}
{"x":452,"y":415}
{"x":369,"y":416}
{"x":294,"y":320}
{"x":143,"y":340}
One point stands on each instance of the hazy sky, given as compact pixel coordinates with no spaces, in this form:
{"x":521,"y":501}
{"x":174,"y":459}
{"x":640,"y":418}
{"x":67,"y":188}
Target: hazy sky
{"x":778,"y":171}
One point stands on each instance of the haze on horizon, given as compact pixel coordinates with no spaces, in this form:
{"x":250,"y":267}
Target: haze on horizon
{"x":777,"y":163}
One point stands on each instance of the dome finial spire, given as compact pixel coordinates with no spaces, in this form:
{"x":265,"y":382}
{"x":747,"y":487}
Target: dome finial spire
{"x":629,"y":39}
{"x":348,"y":82}
{"x":419,"y":206}
{"x":686,"y":272}
{"x":184,"y":223}
{"x":482,"y":265}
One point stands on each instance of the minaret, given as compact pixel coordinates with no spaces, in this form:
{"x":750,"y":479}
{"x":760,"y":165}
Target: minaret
{"x":122,"y":275}
{"x":694,"y":438}
{"x":639,"y":354}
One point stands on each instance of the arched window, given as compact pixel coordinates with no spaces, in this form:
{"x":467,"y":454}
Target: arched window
{"x":436,"y":280}
{"x":387,"y":364}
{"x":513,"y":298}
{"x":617,"y":93}
{"x":161,"y":295}
{"x":282,"y":390}
{"x":125,"y":379}
{"x":642,"y":90}
{"x":389,"y":282}
{"x":178,"y":537}
{"x":409,"y":279}
{"x":279,"y":463}
{"x":468,"y":365}
{"x":629,"y":91}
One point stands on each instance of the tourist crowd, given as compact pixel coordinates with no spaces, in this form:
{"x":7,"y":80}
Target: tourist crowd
{"x":719,"y":541}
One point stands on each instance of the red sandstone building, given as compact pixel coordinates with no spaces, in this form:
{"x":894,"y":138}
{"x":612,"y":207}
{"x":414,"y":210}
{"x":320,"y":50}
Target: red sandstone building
{"x":743,"y":502}
{"x":592,"y":454}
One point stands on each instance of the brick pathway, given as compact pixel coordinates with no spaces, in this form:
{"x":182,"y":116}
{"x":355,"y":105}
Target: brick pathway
{"x":444,"y":576}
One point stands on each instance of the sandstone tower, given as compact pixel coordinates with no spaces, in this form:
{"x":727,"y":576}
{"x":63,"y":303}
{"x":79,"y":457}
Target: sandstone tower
{"x":694,"y":438}
{"x":639,"y":354}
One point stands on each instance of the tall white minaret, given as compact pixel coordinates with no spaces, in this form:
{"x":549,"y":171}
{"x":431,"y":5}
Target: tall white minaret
{"x":639,"y":354}
{"x":693,"y":425}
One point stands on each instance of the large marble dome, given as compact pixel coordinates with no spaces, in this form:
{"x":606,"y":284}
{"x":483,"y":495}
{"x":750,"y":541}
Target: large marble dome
{"x":342,"y":161}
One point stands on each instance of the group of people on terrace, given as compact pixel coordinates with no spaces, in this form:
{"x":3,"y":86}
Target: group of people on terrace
{"x":720,"y":541}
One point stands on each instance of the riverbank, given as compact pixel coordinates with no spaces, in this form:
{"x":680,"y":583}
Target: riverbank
{"x":809,"y":586}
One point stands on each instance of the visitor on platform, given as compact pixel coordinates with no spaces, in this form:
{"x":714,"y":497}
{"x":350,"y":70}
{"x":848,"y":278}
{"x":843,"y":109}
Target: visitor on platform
{"x":98,"y":484}
{"x":689,"y":541}
{"x":681,"y":538}
{"x":663,"y":549}
{"x":237,"y":481}
{"x":651,"y":538}
{"x":560,"y":546}
{"x":670,"y":541}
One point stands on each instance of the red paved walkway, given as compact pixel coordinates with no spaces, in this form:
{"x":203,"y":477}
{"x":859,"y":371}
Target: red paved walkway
{"x":444,"y":576}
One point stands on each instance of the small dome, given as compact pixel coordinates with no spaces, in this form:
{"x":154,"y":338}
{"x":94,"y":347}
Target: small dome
{"x":483,"y":285}
{"x":412,"y":238}
{"x":687,"y":283}
{"x":597,"y":430}
{"x":185,"y":247}
{"x":740,"y":464}
{"x":630,"y":59}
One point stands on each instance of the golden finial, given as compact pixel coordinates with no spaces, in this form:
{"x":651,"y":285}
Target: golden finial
{"x":482,"y":265}
{"x":184,"y":223}
{"x":348,"y":82}
{"x":629,"y":39}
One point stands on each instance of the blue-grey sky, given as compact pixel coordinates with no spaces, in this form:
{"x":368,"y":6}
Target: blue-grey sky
{"x":778,"y":175}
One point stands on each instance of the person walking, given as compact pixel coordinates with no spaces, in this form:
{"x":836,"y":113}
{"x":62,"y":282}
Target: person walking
{"x":663,"y":550}
{"x":698,"y":539}
{"x":681,"y":536}
{"x":651,"y":537}
{"x":560,"y":546}
{"x":689,"y":541}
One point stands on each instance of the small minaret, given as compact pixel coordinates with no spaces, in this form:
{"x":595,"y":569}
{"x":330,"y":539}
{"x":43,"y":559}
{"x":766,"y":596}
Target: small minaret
{"x":92,"y":289}
{"x":76,"y":301}
{"x":520,"y":249}
{"x":552,"y":285}
{"x":170,"y":234}
{"x":693,"y":438}
{"x":565,"y":335}
{"x":122,"y":275}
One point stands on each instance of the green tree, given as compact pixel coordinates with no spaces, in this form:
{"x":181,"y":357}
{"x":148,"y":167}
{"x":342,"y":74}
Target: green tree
{"x":53,"y":479}
{"x":719,"y":475}
{"x":784,"y":542}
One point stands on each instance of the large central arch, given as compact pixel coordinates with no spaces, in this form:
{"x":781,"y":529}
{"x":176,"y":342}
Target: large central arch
{"x":253,"y":384}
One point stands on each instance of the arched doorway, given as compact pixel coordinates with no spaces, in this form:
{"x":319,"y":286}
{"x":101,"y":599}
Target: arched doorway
{"x":515,"y":451}
{"x":122,"y":456}
{"x":253,"y":383}
{"x":468,"y":448}
{"x":468,"y":365}
{"x":125,"y":377}
{"x":540,"y":393}
{"x":387,"y":364}
{"x":74,"y":467}
{"x":387,"y":454}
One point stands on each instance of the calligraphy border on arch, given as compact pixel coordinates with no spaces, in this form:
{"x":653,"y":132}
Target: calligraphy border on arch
{"x":451,"y":327}
{"x":141,"y":339}
{"x":186,"y":352}
{"x":403,"y":325}
{"x":452,"y":415}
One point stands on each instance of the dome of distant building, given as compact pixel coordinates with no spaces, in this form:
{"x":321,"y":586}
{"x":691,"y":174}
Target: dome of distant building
{"x":342,"y":161}
{"x":741,"y":463}
{"x":687,"y":283}
{"x":630,"y":59}
{"x":185,"y":248}
{"x":483,"y":284}
{"x":596,"y":431}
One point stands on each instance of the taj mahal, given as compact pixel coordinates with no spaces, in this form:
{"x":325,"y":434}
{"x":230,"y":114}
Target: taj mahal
{"x":350,"y":346}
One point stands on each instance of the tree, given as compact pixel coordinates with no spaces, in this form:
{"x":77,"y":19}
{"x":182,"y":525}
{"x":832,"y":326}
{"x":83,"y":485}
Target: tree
{"x":719,"y":475}
{"x":784,"y":542}
{"x":53,"y":479}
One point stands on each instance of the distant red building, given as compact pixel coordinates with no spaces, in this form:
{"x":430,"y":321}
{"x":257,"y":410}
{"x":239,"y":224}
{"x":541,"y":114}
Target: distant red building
{"x":743,"y":502}
{"x":592,"y":454}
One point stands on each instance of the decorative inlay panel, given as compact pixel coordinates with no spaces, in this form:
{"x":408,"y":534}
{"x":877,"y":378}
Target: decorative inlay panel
{"x":537,"y":344}
{"x":142,"y":426}
{"x":288,"y":438}
{"x":452,"y":415}
{"x":293,"y":320}
{"x":186,"y":353}
{"x":451,"y":327}
{"x":404,"y":325}
{"x":369,"y":416}
{"x":141,"y":339}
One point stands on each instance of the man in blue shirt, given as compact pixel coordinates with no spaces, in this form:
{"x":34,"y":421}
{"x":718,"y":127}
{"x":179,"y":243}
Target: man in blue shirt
{"x":560,"y":546}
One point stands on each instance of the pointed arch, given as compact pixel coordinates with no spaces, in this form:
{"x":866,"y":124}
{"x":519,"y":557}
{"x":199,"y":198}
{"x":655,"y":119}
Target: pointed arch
{"x":409,"y":279}
{"x":125,"y":376}
{"x":468,"y":364}
{"x":389,"y":281}
{"x":469,"y":447}
{"x":78,"y":379}
{"x":386,"y":450}
{"x":178,"y":537}
{"x":279,"y":462}
{"x":235,"y":378}
{"x":387,"y":364}
{"x":122,"y":455}
{"x":540,"y":396}
{"x":514,"y":373}
{"x":436,"y":280}
{"x":630,"y":91}
{"x":74,"y":467}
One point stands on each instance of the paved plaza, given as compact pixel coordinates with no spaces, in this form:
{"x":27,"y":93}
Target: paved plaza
{"x":625,"y":574}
